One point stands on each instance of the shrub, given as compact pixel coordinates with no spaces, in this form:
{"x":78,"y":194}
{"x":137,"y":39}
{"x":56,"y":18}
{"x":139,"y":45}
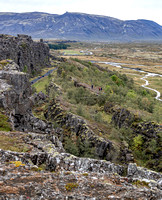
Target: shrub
{"x":71,"y":147}
{"x":131,"y":94}
{"x":117,"y":80}
{"x":79,"y":148}
{"x":137,"y":142}
{"x":79,"y":110}
{"x":140,"y":183}
{"x":25,"y":70}
{"x":58,"y":46}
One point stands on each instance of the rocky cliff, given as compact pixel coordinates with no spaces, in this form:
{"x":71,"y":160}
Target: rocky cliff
{"x":78,"y":127}
{"x":37,"y":167}
{"x":15,"y":98}
{"x":29,"y":55}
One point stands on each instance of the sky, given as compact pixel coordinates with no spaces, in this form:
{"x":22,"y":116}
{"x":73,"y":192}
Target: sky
{"x":121,"y":9}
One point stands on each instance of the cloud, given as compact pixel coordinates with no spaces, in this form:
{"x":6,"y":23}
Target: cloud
{"x":122,"y":9}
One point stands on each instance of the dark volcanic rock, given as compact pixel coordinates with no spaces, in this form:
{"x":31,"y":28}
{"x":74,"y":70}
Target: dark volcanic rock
{"x":23,"y":175}
{"x":104,"y":148}
{"x":15,"y":98}
{"x":29,"y":55}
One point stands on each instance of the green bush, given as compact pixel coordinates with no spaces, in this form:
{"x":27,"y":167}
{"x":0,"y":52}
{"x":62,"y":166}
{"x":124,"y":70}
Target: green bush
{"x":137,"y":142}
{"x":131,"y":94}
{"x":58,"y":46}
{"x":79,"y":148}
{"x":25,"y":70}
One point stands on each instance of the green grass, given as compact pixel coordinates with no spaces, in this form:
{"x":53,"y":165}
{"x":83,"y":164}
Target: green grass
{"x":118,"y":90}
{"x":41,"y":84}
{"x":155,"y":83}
{"x":4,"y":124}
{"x":12,"y":143}
{"x":71,"y":52}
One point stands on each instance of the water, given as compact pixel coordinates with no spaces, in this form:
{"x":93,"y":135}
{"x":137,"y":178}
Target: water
{"x":148,"y":74}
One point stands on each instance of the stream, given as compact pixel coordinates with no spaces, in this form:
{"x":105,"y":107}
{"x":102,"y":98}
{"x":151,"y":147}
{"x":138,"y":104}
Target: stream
{"x":148,"y":74}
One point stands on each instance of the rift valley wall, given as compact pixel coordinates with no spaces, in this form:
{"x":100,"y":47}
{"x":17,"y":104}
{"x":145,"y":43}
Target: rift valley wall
{"x":29,"y":55}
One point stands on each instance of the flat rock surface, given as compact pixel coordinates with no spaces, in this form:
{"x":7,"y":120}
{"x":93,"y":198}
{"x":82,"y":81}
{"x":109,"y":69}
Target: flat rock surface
{"x":24,"y":183}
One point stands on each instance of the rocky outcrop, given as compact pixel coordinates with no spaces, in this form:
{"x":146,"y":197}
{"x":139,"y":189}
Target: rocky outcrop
{"x":46,"y":171}
{"x":25,"y":183}
{"x":15,"y":88}
{"x":147,"y":132}
{"x":135,"y":171}
{"x":104,"y":149}
{"x":15,"y":98}
{"x":124,"y":118}
{"x":29,"y":55}
{"x":48,"y":150}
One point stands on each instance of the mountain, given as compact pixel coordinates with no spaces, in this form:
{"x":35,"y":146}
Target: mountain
{"x":78,"y":26}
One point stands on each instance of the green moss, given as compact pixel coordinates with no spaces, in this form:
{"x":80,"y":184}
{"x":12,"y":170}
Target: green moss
{"x":2,"y":64}
{"x":70,"y":186}
{"x":85,"y":174}
{"x":24,"y":45}
{"x":140,"y":183}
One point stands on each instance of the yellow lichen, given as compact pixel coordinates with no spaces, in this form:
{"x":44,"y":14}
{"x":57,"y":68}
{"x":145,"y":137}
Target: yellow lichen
{"x":17,"y":163}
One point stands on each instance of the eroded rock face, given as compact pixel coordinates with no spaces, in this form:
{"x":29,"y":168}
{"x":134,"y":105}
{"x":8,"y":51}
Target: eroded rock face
{"x":29,"y":55}
{"x":104,"y":149}
{"x":15,"y":98}
{"x":15,"y":89}
{"x":140,"y":172}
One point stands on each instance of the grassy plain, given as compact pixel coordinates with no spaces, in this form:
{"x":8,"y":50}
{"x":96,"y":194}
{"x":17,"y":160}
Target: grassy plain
{"x":144,"y":56}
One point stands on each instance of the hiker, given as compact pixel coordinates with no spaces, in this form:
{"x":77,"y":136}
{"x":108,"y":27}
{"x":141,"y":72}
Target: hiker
{"x":101,"y":88}
{"x":92,"y":87}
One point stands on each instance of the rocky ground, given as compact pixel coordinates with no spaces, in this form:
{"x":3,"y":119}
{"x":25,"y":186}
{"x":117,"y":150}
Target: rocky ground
{"x":34,"y":164}
{"x":43,"y":173}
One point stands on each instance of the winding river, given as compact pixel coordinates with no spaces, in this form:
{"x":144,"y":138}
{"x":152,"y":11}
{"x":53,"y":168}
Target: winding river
{"x":148,"y":74}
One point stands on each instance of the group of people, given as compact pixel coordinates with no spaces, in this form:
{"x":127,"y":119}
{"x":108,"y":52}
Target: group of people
{"x":100,"y":88}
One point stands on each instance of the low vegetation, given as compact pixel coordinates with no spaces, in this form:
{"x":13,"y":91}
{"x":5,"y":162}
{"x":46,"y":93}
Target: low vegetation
{"x":13,"y":143}
{"x":58,"y":46}
{"x":75,"y":79}
{"x":70,"y":186}
{"x":4,"y":122}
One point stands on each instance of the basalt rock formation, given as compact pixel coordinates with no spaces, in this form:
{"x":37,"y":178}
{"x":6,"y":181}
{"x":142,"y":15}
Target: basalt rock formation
{"x":15,"y":98}
{"x":47,"y":172}
{"x":29,"y":55}
{"x":148,"y":133}
{"x":44,"y":170}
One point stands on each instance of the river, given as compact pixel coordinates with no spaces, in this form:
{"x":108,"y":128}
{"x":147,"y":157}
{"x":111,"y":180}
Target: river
{"x":148,"y":74}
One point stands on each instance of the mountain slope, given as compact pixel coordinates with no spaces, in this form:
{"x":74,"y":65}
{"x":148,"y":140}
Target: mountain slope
{"x":78,"y":26}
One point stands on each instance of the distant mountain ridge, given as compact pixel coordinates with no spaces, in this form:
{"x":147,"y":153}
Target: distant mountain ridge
{"x":78,"y":26}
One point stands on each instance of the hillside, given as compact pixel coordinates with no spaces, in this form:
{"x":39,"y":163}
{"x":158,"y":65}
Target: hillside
{"x":77,"y":132}
{"x":34,"y":163}
{"x":78,"y":26}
